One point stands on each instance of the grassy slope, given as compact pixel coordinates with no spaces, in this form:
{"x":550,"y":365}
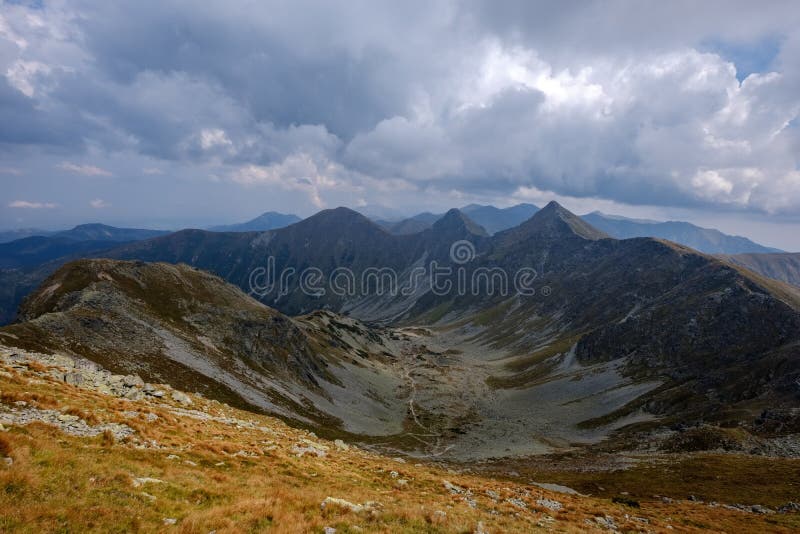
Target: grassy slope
{"x":59,"y":483}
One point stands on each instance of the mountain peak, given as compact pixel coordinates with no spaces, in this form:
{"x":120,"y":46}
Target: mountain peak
{"x":554,"y":220}
{"x":341,"y":218}
{"x":456,"y":220}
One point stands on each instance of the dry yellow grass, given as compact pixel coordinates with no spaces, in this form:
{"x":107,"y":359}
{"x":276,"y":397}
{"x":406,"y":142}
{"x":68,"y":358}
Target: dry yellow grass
{"x":217,"y":475}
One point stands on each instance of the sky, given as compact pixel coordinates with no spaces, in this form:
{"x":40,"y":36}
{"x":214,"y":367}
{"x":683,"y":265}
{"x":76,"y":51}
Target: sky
{"x":176,"y":113}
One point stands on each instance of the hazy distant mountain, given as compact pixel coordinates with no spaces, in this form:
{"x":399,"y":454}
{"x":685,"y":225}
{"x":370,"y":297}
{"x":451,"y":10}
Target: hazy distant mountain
{"x":376,"y":212}
{"x":412,"y":225}
{"x":498,"y":219}
{"x":270,"y":220}
{"x":25,"y":262}
{"x":784,"y":267}
{"x":705,"y":240}
{"x":84,"y":232}
{"x":21,"y":233}
{"x":36,"y":250}
{"x":82,"y":240}
{"x":103,"y":232}
{"x":492,"y":219}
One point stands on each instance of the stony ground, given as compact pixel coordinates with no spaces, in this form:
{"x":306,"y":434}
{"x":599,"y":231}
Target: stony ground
{"x":87,"y":451}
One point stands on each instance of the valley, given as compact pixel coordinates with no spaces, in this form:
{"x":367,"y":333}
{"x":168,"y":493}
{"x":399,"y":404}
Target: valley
{"x":628,"y":362}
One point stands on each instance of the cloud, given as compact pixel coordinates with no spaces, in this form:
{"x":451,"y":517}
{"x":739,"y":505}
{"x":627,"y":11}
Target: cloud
{"x":210,"y":138}
{"x":298,"y":172}
{"x":99,"y":203}
{"x":24,"y":204}
{"x":472,"y":99}
{"x":11,"y":170}
{"x":86,"y":170}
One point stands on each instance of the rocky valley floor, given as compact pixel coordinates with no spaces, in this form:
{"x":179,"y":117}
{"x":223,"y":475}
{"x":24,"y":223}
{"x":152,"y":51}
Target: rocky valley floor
{"x":84,"y":450}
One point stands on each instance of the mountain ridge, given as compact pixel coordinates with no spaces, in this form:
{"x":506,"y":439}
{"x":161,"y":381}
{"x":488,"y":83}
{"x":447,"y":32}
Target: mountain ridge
{"x":657,"y":320}
{"x":269,"y":220}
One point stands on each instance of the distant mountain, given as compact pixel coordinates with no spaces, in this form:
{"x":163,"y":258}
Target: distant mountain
{"x":784,"y":267}
{"x":21,"y":233}
{"x":412,"y":225}
{"x":498,"y":219}
{"x":82,"y":240}
{"x":84,"y":232}
{"x":25,"y":262}
{"x":377,"y":212}
{"x":492,"y":219}
{"x":705,"y":240}
{"x":103,"y":232}
{"x":36,"y":250}
{"x":270,"y":220}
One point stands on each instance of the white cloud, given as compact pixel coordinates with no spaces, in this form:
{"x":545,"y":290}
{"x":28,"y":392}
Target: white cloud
{"x":24,"y":204}
{"x":99,"y":203}
{"x":86,"y":170}
{"x":11,"y":170}
{"x":214,"y":137}
{"x":297,"y":172}
{"x":24,"y":75}
{"x":9,"y":34}
{"x":152,"y":171}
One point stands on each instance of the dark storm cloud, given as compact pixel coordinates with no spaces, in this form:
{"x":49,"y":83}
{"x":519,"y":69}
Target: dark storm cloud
{"x":624,"y":101}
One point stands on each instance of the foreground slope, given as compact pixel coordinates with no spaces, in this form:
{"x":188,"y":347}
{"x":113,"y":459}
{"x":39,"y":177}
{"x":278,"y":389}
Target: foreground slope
{"x":83,"y":459}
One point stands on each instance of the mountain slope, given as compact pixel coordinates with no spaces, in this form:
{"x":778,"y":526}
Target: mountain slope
{"x":269,"y":220}
{"x":784,"y":267}
{"x":163,"y":465}
{"x":175,"y":324}
{"x":705,"y":240}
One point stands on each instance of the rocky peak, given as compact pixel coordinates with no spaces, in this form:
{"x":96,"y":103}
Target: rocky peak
{"x":554,"y":221}
{"x":456,"y":222}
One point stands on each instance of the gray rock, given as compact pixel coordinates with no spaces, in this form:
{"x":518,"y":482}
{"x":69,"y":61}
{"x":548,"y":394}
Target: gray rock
{"x":519,"y":503}
{"x":133,"y":394}
{"x":789,"y":508}
{"x":181,"y":398}
{"x":550,"y":504}
{"x":74,"y":379}
{"x":758,"y":509}
{"x":132,"y":381}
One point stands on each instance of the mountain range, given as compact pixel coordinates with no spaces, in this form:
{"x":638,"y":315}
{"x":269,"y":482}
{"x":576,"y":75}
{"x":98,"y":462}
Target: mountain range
{"x":496,"y":220}
{"x":600,"y":338}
